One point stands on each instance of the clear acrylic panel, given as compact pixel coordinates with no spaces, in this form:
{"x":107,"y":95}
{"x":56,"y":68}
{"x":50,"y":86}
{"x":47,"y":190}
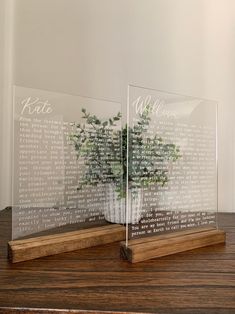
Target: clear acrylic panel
{"x":172,"y":163}
{"x":67,"y":162}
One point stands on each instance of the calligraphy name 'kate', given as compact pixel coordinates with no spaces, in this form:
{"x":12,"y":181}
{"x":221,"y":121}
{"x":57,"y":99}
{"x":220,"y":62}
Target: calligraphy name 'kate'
{"x":33,"y":105}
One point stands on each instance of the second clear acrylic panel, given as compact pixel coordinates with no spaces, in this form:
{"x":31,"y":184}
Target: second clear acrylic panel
{"x":172,"y":163}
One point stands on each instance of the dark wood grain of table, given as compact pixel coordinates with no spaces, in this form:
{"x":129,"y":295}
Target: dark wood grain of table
{"x":96,"y":280}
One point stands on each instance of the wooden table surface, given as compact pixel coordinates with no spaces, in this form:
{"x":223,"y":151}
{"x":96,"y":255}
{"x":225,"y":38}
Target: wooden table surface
{"x":95,"y":279}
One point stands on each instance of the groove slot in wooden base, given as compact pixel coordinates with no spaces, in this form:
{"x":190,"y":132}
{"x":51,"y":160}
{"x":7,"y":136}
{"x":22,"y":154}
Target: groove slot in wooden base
{"x":157,"y":246}
{"x":27,"y":249}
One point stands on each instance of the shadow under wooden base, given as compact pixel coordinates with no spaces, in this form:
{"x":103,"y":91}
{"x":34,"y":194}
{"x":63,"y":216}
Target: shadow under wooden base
{"x":161,"y":245}
{"x":27,"y":249}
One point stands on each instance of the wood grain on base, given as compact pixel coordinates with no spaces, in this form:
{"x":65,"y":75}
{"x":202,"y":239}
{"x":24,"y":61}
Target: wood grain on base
{"x":27,"y":249}
{"x":161,"y":245}
{"x":95,"y":280}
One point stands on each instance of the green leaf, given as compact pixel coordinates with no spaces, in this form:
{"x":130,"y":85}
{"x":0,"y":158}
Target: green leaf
{"x":117,"y":168}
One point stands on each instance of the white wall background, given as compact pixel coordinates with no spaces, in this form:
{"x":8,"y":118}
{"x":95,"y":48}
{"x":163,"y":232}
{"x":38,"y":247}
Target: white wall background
{"x":97,"y":47}
{"x":6,"y":80}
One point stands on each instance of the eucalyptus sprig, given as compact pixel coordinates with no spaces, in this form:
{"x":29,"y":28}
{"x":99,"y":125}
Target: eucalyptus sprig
{"x":99,"y":143}
{"x":104,"y":149}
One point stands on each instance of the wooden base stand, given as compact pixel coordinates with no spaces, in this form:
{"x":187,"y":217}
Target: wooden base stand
{"x":147,"y":248}
{"x":27,"y":249}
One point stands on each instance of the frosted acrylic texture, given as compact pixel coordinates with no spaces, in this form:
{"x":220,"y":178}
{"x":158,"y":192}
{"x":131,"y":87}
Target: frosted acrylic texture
{"x":172,"y":168}
{"x":66,"y":161}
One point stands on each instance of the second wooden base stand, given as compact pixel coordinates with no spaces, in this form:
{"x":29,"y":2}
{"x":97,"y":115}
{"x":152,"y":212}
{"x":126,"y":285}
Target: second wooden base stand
{"x":151,"y":247}
{"x":27,"y":249}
